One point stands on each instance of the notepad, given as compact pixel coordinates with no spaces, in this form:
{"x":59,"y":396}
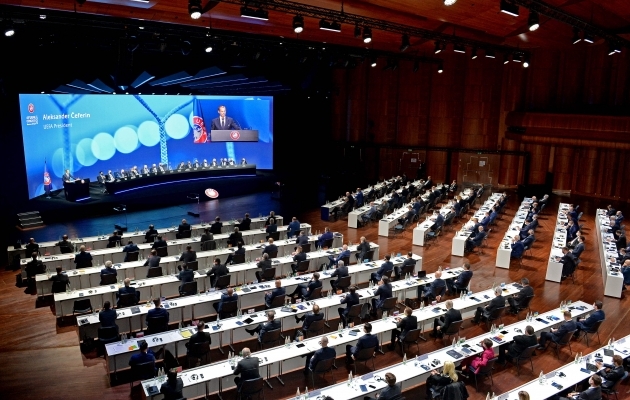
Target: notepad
{"x":186,"y":333}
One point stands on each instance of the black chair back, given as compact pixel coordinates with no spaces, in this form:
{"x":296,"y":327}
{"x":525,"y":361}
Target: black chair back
{"x":407,"y":269}
{"x":453,"y":328}
{"x":193,"y":265}
{"x":108,"y":279}
{"x":229,"y":308}
{"x":156,"y":325}
{"x":274,"y":235}
{"x":208,"y":245}
{"x":565,"y":339}
{"x":355,"y":311}
{"x":59,"y":287}
{"x":343,"y":283}
{"x":525,"y":303}
{"x":108,"y":334}
{"x":497,"y":313}
{"x":303,"y":266}
{"x":65,"y":249}
{"x":316,"y":326}
{"x":238,"y":258}
{"x":594,"y":328}
{"x":306,"y":248}
{"x":185,"y":234}
{"x":278,"y":301}
{"x":269,"y":274}
{"x":84,"y":264}
{"x":273,"y":254}
{"x":199,"y":350}
{"x":223,"y":281}
{"x":324,"y":366}
{"x":389,"y":304}
{"x":315,"y":294}
{"x":412,"y":336}
{"x":271,"y":337}
{"x":251,"y":387}
{"x":150,"y":238}
{"x":142,"y":371}
{"x":487,"y":369}
{"x":188,"y":289}
{"x":328,"y":243}
{"x":129,"y":299}
{"x":154,"y":272}
{"x":162,"y":251}
{"x":82,"y":306}
{"x":346,"y":260}
{"x":133,"y":256}
{"x":369,"y":255}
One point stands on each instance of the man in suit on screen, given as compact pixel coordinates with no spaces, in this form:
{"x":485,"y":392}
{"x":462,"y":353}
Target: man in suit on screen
{"x":223,"y":122}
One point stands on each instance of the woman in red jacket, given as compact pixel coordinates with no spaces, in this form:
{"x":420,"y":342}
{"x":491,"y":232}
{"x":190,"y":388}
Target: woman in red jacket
{"x":474,"y":363}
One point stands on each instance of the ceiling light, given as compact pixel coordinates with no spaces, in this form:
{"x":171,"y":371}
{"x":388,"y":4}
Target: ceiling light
{"x":526,"y":61}
{"x":194,"y":9}
{"x":576,"y":36}
{"x":459,"y":48}
{"x":438,"y":47}
{"x":258,"y":14}
{"x":357,"y":31}
{"x":367,"y":35}
{"x":298,"y":24}
{"x":9,"y":30}
{"x":517,"y":57}
{"x":533,"y":21}
{"x":449,"y":2}
{"x":209,"y":48}
{"x":42,"y":16}
{"x":509,"y":8}
{"x":490,"y":54}
{"x":588,"y":37}
{"x":373,"y":62}
{"x":440,"y":68}
{"x":613,"y":48}
{"x":329,"y":26}
{"x":473,"y":54}
{"x":506,"y":58}
{"x":404,"y":45}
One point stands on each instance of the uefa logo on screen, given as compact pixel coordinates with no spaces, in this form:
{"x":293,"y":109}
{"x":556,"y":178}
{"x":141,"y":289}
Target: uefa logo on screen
{"x":31,"y":108}
{"x":235,"y":135}
{"x":211,"y":193}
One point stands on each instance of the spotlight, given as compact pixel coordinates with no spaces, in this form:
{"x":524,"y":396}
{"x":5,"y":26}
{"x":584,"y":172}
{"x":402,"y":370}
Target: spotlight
{"x":298,"y":24}
{"x":459,"y":48}
{"x":506,"y":58}
{"x":186,"y":47}
{"x":440,"y":68}
{"x":438,"y":47}
{"x":588,"y":37}
{"x":373,"y":62}
{"x":526,"y":61}
{"x":209,"y":48}
{"x":449,"y":2}
{"x":576,"y":36}
{"x":258,"y":14}
{"x":405,"y":43}
{"x":357,"y":31}
{"x":367,"y":35}
{"x":517,"y":57}
{"x":473,"y":54}
{"x":509,"y":8}
{"x":533,"y":21}
{"x":329,"y":26}
{"x":613,"y":48}
{"x":9,"y":30}
{"x":490,"y":54}
{"x":42,"y":16}
{"x":194,"y":9}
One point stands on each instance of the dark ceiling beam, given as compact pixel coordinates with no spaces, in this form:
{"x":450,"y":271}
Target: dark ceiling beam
{"x":306,"y":10}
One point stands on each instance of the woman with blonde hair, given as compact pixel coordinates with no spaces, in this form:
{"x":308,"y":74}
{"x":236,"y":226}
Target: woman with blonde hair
{"x":437,"y":381}
{"x":523,"y":395}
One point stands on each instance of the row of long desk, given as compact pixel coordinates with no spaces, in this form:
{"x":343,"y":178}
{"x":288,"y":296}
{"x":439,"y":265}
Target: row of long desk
{"x":611,"y":271}
{"x":504,"y":251}
{"x":327,"y":208}
{"x":572,"y":373}
{"x":187,"y":307}
{"x":100,"y":241}
{"x":232,"y":330}
{"x":554,"y":266}
{"x":216,"y":376}
{"x":168,"y":285}
{"x":458,"y":246}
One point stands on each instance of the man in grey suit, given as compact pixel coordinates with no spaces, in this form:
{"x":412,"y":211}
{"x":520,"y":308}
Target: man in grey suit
{"x":247,"y":368}
{"x":340,"y":272}
{"x":392,"y":390}
{"x":224,"y":122}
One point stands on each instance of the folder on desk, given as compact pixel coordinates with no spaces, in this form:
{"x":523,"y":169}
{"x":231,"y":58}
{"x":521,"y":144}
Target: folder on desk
{"x":454,"y":354}
{"x":153,"y":390}
{"x":609,"y":352}
{"x":135,"y":310}
{"x":186,"y":333}
{"x":248,"y":321}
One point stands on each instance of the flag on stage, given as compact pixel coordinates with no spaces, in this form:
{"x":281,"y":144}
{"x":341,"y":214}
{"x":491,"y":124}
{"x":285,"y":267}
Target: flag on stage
{"x":47,"y":181}
{"x":199,"y":127}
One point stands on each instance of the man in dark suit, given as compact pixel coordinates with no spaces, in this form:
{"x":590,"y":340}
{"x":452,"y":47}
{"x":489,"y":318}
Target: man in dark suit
{"x":384,"y":292}
{"x":272,"y":215}
{"x":114,"y":240}
{"x":207,"y":235}
{"x":332,"y":260}
{"x":436,"y":289}
{"x":225,"y":298}
{"x":340,"y":272}
{"x":270,"y":248}
{"x":462,"y":280}
{"x":246,"y":223}
{"x":483,"y":313}
{"x":568,"y":263}
{"x":223,"y":122}
{"x":145,"y":356}
{"x":612,"y":373}
{"x":302,"y":239}
{"x":556,"y":334}
{"x":531,"y":225}
{"x":173,"y":387}
{"x":217,"y":271}
{"x":518,"y":345}
{"x":199,"y":337}
{"x":611,"y":211}
{"x":216,"y":226}
{"x":235,"y":237}
{"x":305,"y":290}
{"x":521,"y":297}
{"x":277,"y":291}
{"x":127,"y":289}
{"x":31,"y":247}
{"x":107,"y":316}
{"x":33,"y":268}
{"x":271,"y":228}
{"x":247,"y":368}
{"x":293,"y":228}
{"x":442,"y":324}
{"x":579,"y":248}
{"x":153,"y":261}
{"x":369,"y":213}
{"x":588,"y":323}
{"x":185,"y":275}
{"x":404,"y":326}
{"x":529,"y":239}
{"x":67,"y":176}
{"x":309,"y":318}
{"x":409,"y":263}
{"x":365,"y":342}
{"x":264,"y":265}
{"x":386,"y":266}
{"x":327,"y":235}
{"x":362,"y":249}
{"x":64,"y":242}
{"x":108,"y":270}
{"x":270,"y":325}
{"x":159,"y":242}
{"x":476,"y":241}
{"x":298,"y":257}
{"x":594,"y":392}
{"x":189,"y":255}
{"x":392,"y":390}
{"x":129,"y":248}
{"x":517,"y":248}
{"x":60,"y":281}
{"x":325,"y":353}
{"x":150,"y":234}
{"x":351,"y":299}
{"x":83,"y":259}
{"x":157,"y":311}
{"x":183,"y":230}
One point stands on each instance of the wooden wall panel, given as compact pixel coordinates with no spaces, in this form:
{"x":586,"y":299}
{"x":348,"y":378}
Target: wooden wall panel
{"x":356,"y":104}
{"x":339,"y":120}
{"x":564,"y":168}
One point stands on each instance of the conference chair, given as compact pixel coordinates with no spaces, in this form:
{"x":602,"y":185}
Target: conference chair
{"x":496,"y":314}
{"x":562,"y":342}
{"x":228,"y":309}
{"x":188,"y":289}
{"x":208,"y":245}
{"x":183,"y":235}
{"x":343,"y":283}
{"x":527,"y":354}
{"x":129,"y":299}
{"x":108,"y":279}
{"x":322,"y":368}
{"x":106,"y":335}
{"x":65,"y":249}
{"x":162,"y":251}
{"x":354,"y":313}
{"x":59,"y":287}
{"x":199,"y":351}
{"x":277,"y":301}
{"x":269,"y":274}
{"x":315,"y":294}
{"x":82,"y":306}
{"x":412,"y":337}
{"x":141,"y":372}
{"x":273,"y":255}
{"x":486,"y":370}
{"x":303,"y":266}
{"x":388,"y":306}
{"x":223,"y":282}
{"x":156,"y":325}
{"x":238,"y":258}
{"x":327,"y":243}
{"x":315,"y":328}
{"x":274,"y":236}
{"x":154,"y":272}
{"x":592,"y":331}
{"x":84,"y":264}
{"x":270,"y":337}
{"x":364,"y":355}
{"x":306,"y":248}
{"x":193,"y":265}
{"x":133,"y":256}
{"x":250,"y":388}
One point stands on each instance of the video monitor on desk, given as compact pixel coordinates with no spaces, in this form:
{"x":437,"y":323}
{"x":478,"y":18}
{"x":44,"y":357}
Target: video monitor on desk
{"x":89,"y":133}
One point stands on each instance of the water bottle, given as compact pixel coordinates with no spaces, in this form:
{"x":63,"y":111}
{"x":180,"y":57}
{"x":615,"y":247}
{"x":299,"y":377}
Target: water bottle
{"x":541,"y":378}
{"x":405,"y":358}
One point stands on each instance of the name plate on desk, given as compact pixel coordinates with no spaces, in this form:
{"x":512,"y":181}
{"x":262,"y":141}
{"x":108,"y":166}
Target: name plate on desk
{"x":234,"y":135}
